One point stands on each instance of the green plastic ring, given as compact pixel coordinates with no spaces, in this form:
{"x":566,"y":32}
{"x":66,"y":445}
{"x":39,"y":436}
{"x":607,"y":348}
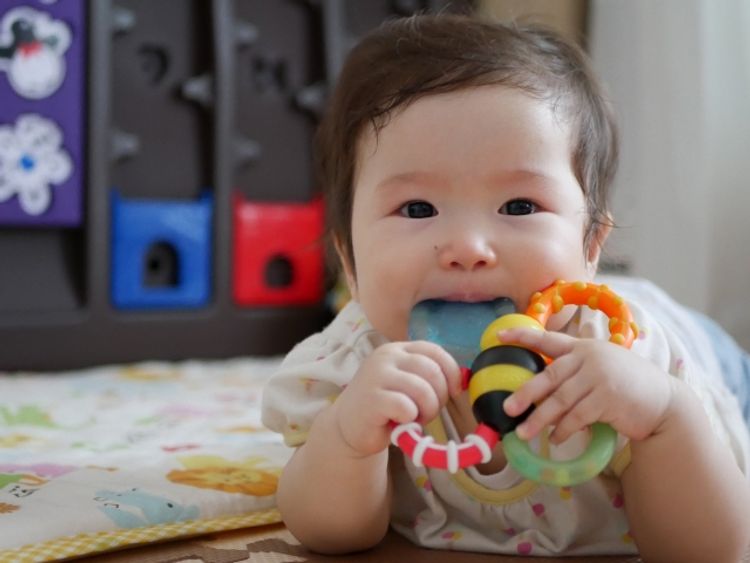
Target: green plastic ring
{"x":599,"y":452}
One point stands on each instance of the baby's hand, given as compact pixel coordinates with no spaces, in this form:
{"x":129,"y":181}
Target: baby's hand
{"x":588,"y":381}
{"x":399,"y":381}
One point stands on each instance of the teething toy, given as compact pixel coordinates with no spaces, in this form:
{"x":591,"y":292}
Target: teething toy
{"x":500,"y":369}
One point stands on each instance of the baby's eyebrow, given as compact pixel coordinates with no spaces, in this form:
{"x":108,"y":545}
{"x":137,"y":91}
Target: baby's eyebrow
{"x":501,"y":178}
{"x":415,"y":177}
{"x":520,"y":175}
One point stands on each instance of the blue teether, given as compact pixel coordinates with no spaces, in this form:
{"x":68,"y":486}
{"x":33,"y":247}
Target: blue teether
{"x":455,"y":325}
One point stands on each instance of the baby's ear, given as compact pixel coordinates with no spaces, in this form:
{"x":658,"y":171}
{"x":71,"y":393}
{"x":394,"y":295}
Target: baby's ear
{"x":596,"y":243}
{"x":351,"y":280}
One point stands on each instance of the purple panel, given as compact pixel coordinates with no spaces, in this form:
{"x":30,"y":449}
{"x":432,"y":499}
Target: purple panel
{"x":46,"y":77}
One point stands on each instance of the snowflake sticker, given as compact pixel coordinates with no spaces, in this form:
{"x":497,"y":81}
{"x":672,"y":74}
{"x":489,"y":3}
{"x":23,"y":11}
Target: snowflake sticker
{"x":31,"y":159}
{"x":32,"y":49}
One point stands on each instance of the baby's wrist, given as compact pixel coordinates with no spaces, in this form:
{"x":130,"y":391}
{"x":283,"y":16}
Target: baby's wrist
{"x":346,"y":447}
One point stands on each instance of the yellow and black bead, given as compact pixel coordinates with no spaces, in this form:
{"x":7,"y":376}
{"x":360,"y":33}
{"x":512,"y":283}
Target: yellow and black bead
{"x":495,"y":374}
{"x":498,"y":371}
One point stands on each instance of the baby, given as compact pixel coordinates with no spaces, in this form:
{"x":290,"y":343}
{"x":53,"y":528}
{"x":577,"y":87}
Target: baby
{"x":465,"y":161}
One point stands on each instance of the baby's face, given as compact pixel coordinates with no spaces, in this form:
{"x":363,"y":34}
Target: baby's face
{"x":465,"y":196}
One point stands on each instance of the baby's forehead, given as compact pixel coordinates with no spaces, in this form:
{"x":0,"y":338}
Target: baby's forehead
{"x":482,"y":125}
{"x":436,"y":104}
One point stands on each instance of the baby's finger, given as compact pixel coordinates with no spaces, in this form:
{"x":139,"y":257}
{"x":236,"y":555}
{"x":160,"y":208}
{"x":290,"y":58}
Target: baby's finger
{"x":586,"y":412}
{"x":552,"y":344}
{"x":419,"y":391}
{"x":447,"y":363}
{"x":542,"y":384}
{"x":398,"y":407}
{"x":554,"y":408}
{"x":429,"y":370}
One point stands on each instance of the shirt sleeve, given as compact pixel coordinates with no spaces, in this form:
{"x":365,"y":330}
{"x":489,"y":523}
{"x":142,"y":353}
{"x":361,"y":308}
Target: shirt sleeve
{"x":314,"y":373}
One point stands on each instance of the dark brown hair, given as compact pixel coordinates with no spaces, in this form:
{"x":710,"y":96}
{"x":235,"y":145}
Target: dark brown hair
{"x":409,"y":58}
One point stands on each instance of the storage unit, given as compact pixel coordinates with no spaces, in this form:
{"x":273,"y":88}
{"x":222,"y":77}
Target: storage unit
{"x":182,"y":217}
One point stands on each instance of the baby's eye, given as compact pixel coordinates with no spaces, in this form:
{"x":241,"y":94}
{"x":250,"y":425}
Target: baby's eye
{"x":418,"y":210}
{"x":518,"y":207}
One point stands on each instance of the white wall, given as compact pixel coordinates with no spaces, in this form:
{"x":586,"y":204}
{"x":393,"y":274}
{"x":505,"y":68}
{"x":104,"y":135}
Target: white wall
{"x":679,"y":76}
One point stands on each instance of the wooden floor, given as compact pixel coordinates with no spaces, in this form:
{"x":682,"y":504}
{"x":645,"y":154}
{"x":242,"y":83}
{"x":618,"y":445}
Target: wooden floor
{"x":274,"y":544}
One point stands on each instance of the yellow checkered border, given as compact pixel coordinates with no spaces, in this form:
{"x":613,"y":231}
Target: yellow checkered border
{"x":96,"y":542}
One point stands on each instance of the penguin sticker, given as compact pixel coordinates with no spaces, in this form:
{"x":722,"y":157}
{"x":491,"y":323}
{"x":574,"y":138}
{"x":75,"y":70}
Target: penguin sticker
{"x":32,"y":49}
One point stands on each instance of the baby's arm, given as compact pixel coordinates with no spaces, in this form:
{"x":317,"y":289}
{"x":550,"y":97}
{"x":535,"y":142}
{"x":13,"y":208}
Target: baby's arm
{"x":332,"y":499}
{"x":335,"y":492}
{"x":685,"y":497}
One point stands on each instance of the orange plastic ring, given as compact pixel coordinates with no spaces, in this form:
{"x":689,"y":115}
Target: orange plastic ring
{"x":622,"y":328}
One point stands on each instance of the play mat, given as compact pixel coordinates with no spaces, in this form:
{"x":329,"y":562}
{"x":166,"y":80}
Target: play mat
{"x":101,"y":459}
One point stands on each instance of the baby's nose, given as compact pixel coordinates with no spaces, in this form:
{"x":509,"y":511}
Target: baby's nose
{"x":467,"y":253}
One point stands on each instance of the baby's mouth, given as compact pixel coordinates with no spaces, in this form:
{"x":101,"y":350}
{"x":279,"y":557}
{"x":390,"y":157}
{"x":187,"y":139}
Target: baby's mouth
{"x":456,"y":325}
{"x":468,"y":301}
